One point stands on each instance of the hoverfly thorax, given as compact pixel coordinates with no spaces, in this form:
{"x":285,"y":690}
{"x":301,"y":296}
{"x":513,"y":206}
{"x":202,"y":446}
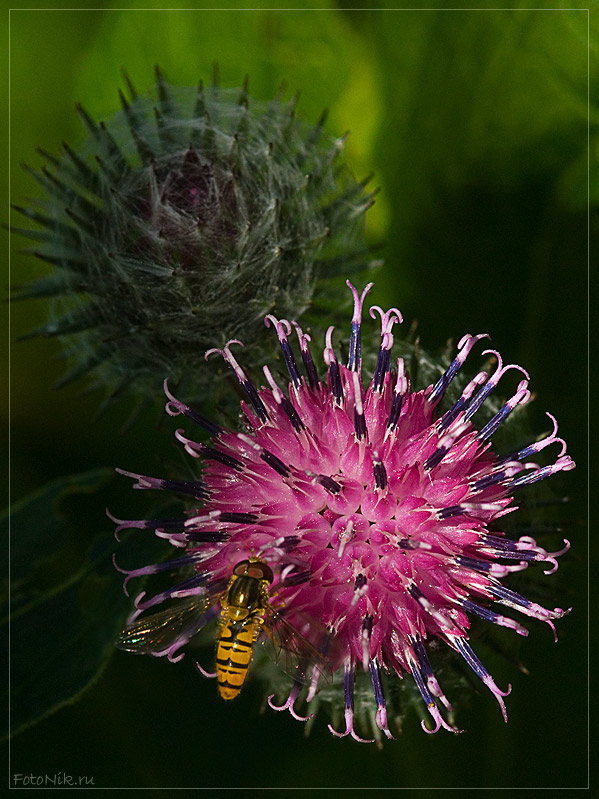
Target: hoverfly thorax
{"x":248,"y":588}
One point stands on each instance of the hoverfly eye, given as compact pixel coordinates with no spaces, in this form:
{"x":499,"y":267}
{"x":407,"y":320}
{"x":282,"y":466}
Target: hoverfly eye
{"x":242,"y":568}
{"x":261,"y":571}
{"x":255,"y":569}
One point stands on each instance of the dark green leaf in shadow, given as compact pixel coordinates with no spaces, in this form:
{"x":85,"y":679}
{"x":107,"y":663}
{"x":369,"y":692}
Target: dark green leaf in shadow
{"x":45,"y":536}
{"x":67,"y":602}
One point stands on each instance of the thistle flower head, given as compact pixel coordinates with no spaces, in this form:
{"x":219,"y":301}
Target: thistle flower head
{"x":379,"y":516}
{"x":181,"y":222}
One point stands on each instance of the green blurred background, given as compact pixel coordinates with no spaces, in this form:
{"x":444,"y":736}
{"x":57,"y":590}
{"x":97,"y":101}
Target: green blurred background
{"x":475,"y":124}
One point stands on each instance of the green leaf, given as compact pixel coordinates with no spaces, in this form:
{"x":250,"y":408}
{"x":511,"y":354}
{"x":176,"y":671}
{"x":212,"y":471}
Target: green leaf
{"x":67,"y":602}
{"x":41,"y":530}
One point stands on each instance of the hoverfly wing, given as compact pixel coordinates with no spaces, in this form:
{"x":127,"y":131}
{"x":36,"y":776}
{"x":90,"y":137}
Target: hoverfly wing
{"x":297,"y":654}
{"x":156,"y":633}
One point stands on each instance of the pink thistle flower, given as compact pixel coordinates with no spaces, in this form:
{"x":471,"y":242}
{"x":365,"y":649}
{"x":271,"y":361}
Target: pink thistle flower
{"x":379,"y":516}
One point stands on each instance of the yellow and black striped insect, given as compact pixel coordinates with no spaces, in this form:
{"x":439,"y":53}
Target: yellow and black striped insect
{"x":246,"y":607}
{"x":246,"y":611}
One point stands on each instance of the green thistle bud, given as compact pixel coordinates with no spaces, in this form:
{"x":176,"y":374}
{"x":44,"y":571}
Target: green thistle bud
{"x":180,"y":223}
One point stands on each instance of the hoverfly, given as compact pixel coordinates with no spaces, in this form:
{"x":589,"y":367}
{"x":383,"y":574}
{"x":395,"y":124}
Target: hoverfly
{"x":246,"y":611}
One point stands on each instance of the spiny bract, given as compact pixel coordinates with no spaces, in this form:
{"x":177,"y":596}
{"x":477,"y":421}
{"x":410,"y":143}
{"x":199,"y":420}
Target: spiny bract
{"x":181,"y":222}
